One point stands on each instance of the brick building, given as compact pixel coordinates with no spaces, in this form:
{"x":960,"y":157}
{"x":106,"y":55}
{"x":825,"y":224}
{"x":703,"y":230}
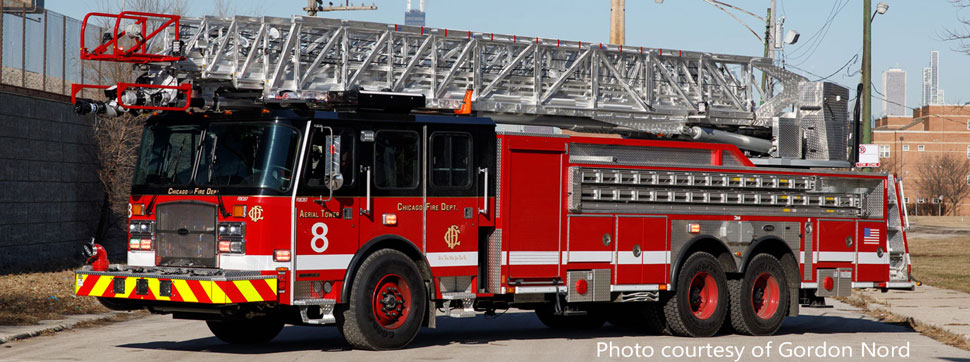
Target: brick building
{"x":906,"y":142}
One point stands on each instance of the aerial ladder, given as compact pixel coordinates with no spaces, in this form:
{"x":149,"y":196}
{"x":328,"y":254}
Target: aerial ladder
{"x":218,"y":64}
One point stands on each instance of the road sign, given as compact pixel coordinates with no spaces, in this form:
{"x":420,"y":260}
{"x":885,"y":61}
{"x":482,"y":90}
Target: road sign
{"x":868,"y":156}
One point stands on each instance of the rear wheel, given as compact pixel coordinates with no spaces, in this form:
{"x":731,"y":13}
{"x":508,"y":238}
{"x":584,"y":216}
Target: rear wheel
{"x":546,"y":314}
{"x":759,"y":301}
{"x":698,"y":307}
{"x":247,"y":331}
{"x":387,"y":303}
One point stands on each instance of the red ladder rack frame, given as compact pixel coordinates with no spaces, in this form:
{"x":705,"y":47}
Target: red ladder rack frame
{"x":138,"y":53}
{"x":185,"y":89}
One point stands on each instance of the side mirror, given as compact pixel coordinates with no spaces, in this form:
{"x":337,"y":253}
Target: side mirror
{"x":332,"y":177}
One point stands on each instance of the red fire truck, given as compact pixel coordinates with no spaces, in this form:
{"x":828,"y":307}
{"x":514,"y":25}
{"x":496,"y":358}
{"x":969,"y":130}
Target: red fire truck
{"x":312,"y":171}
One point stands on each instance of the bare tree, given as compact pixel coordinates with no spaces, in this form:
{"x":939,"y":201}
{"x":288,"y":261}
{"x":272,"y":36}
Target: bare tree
{"x":117,"y":138}
{"x":961,"y":33}
{"x":225,"y":8}
{"x":944,"y":176}
{"x":890,"y":165}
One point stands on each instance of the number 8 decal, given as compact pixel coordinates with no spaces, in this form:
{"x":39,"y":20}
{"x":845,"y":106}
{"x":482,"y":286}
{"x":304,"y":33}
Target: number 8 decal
{"x":318,"y":236}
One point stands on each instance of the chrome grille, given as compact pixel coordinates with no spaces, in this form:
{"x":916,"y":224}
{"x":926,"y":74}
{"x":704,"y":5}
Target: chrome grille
{"x":186,"y":234}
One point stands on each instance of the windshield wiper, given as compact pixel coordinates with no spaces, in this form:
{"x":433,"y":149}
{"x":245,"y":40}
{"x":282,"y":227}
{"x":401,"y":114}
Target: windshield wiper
{"x":212,"y":158}
{"x":178,"y":158}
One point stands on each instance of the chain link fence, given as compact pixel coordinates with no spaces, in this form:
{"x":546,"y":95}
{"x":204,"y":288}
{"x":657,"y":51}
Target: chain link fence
{"x":41,"y":51}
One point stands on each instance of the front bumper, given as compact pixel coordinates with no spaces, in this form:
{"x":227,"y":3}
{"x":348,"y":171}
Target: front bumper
{"x":175,"y":288}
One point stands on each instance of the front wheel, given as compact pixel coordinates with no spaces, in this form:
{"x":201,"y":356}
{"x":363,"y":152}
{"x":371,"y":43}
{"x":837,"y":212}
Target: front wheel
{"x":387,"y":303}
{"x":698,"y":307}
{"x":759,"y":301}
{"x":248,"y":331}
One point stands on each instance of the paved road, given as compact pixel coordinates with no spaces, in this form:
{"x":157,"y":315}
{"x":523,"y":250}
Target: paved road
{"x":513,"y":336}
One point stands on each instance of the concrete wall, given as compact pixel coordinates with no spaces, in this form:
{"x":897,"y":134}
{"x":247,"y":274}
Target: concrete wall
{"x":50,"y":195}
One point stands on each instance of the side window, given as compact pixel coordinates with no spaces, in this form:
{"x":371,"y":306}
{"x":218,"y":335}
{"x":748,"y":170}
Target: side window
{"x":451,"y":161}
{"x":316,"y":163}
{"x":396,"y":160}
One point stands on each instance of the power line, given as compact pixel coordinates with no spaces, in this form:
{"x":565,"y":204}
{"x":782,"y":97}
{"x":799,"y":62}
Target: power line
{"x":873,"y":87}
{"x":815,"y":41}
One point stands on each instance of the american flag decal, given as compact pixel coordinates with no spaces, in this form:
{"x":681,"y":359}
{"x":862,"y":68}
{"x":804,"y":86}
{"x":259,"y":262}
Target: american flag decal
{"x":870,"y":236}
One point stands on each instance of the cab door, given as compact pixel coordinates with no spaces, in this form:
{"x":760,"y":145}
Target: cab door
{"x":326,"y":211}
{"x":392,"y":178}
{"x":453,"y":201}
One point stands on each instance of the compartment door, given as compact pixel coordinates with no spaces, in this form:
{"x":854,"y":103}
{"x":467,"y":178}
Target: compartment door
{"x":535,"y":204}
{"x":872,"y":257}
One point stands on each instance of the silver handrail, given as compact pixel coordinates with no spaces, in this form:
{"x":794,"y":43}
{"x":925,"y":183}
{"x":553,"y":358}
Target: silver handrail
{"x":484,"y":210}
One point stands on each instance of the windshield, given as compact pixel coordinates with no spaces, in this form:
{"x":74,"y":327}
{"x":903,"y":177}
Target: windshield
{"x":232,"y":154}
{"x":167,"y":154}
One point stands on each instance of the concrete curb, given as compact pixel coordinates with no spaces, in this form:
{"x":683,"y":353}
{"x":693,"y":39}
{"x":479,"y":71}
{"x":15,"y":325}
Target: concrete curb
{"x":888,"y":303}
{"x":12,"y":333}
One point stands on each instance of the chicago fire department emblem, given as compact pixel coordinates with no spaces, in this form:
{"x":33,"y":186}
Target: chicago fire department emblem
{"x":451,"y":237}
{"x":256,"y":213}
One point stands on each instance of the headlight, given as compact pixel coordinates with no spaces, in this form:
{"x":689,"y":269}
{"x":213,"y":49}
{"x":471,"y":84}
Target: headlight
{"x":231,"y":229}
{"x":140,"y":227}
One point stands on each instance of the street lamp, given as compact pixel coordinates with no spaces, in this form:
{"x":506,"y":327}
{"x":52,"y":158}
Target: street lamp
{"x":881,"y":8}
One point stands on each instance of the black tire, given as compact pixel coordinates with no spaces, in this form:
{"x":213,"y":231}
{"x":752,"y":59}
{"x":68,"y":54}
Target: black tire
{"x":547,"y":316}
{"x":248,"y":331}
{"x":758,"y":303}
{"x":640,"y":317}
{"x":399,"y":281}
{"x":701,"y":278}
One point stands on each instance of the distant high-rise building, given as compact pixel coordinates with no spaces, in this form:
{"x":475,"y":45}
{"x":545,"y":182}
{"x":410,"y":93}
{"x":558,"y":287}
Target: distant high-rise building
{"x":894,"y":89}
{"x":927,"y":87}
{"x":939,"y":97}
{"x":414,"y":17}
{"x":935,"y":78}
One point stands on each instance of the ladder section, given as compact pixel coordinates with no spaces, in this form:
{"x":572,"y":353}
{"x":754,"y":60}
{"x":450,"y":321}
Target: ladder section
{"x":895,"y":231}
{"x":644,"y":89}
{"x":605,"y":190}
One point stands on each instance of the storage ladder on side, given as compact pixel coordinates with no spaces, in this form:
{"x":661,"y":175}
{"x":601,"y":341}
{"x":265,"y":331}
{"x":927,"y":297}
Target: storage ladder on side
{"x":897,"y":221}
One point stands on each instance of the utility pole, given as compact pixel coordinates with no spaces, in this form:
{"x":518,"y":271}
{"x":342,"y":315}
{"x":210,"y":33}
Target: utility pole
{"x":769,"y":45}
{"x":866,"y":72}
{"x":617,"y":22}
{"x":770,"y":37}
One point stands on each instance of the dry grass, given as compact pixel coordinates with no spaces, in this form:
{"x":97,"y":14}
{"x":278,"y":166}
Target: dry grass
{"x":942,"y":262}
{"x":864,"y":302}
{"x":944,"y":221}
{"x":31,"y":297}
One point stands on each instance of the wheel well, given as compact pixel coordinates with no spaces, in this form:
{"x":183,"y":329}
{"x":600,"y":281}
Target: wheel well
{"x":781,"y":251}
{"x":387,"y":242}
{"x":708,"y":244}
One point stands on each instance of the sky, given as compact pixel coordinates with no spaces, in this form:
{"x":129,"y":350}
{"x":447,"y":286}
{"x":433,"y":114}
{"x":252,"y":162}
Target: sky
{"x":830,"y":45}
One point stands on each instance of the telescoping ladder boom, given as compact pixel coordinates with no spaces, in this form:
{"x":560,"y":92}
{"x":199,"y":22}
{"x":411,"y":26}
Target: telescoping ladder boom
{"x":513,"y":79}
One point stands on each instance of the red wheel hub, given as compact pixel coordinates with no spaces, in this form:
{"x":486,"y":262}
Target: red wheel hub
{"x":765,"y":295}
{"x":392,"y":299}
{"x":703,"y":295}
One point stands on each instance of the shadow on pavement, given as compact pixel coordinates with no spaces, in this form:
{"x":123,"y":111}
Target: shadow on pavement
{"x":511,"y":326}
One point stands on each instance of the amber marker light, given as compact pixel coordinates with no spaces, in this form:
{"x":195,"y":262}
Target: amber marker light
{"x":694,"y":228}
{"x":389,"y":219}
{"x":239,"y":211}
{"x":138,"y":209}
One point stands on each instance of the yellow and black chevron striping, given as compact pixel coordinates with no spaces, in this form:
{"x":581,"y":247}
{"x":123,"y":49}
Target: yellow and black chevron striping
{"x":194,"y":290}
